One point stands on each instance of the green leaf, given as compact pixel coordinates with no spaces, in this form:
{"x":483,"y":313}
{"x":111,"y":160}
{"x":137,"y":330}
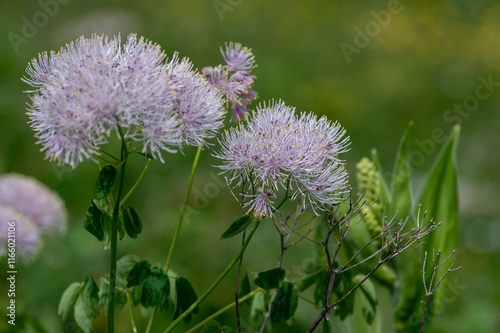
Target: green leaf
{"x":326,"y":326}
{"x":439,"y":197}
{"x":93,"y":222}
{"x":82,"y":318}
{"x":104,"y":183}
{"x":245,"y":287}
{"x":155,"y":286}
{"x":123,"y":268}
{"x":90,"y":298}
{"x":270,"y":279}
{"x":131,"y":222}
{"x":368,"y":298}
{"x":68,"y":299}
{"x":385,"y":194}
{"x":341,"y":286}
{"x":320,"y":290}
{"x":285,"y":303}
{"x":138,"y":274}
{"x":227,"y":329}
{"x":186,"y":296}
{"x":401,"y":179}
{"x":238,"y":226}
{"x":212,"y":327}
{"x":259,"y":307}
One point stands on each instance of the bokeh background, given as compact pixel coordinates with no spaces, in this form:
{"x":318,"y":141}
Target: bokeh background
{"x":426,"y":58}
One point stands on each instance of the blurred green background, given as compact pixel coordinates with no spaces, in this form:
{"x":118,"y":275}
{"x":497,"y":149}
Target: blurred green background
{"x":425,"y":59}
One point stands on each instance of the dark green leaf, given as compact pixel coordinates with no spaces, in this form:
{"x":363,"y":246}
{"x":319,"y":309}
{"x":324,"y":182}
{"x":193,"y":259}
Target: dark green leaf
{"x":138,"y":273}
{"x":136,"y":295}
{"x":368,"y":298}
{"x":238,"y":226}
{"x":131,"y":222}
{"x":186,"y":296}
{"x":91,"y":289}
{"x":90,"y":298}
{"x":270,"y":279}
{"x":68,"y":299}
{"x":123,"y":268}
{"x":104,"y":183}
{"x":93,"y":222}
{"x":245,"y":287}
{"x":285,"y":303}
{"x":320,"y":290}
{"x":341,"y":286}
{"x":227,"y":329}
{"x":155,"y":286}
{"x":401,"y":179}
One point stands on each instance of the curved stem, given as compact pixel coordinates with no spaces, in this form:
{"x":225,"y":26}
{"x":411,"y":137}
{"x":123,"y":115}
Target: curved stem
{"x":216,"y":283}
{"x":114,"y":234}
{"x":132,"y":321}
{"x":136,"y":183}
{"x":183,"y":210}
{"x":237,"y":288}
{"x":224,"y":309}
{"x":151,"y":318}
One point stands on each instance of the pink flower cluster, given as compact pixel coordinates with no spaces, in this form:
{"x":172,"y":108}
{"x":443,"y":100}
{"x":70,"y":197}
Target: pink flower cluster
{"x":94,"y":86}
{"x":276,"y":149}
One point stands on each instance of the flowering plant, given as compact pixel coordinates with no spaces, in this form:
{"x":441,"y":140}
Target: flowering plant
{"x":282,"y":168}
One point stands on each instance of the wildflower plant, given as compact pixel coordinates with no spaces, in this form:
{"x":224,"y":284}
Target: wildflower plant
{"x":282,"y":167}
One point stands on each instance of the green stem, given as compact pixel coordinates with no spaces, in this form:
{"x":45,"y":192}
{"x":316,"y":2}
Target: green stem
{"x":150,"y":322}
{"x":178,"y":228}
{"x":129,"y":300}
{"x":136,"y":183}
{"x":224,"y":309}
{"x":114,"y":232}
{"x":183,"y":210}
{"x":248,"y":296}
{"x":216,"y":283}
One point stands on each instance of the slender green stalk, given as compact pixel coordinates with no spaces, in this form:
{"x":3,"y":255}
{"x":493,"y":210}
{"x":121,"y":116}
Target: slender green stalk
{"x":151,"y":318}
{"x":178,"y":228}
{"x":224,"y":309}
{"x":136,"y":183}
{"x":216,"y":283}
{"x":129,"y":301}
{"x":183,"y":210}
{"x":114,"y":234}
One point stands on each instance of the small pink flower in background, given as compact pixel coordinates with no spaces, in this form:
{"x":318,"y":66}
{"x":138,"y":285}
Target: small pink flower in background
{"x":234,"y":79}
{"x":34,"y":200}
{"x":34,"y":208}
{"x":27,"y":235}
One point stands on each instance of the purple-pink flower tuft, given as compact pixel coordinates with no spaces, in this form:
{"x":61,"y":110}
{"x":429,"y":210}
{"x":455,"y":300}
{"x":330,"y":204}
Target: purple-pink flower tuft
{"x":277,"y":149}
{"x":94,"y":86}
